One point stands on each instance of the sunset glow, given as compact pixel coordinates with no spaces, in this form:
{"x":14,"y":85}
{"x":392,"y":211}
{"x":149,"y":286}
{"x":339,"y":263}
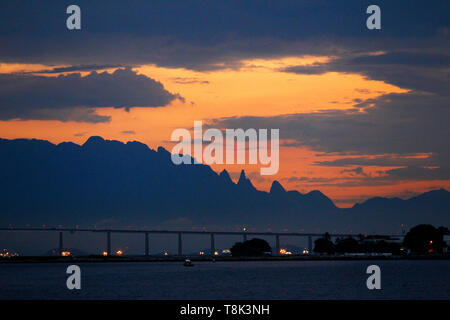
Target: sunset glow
{"x":258,"y":87}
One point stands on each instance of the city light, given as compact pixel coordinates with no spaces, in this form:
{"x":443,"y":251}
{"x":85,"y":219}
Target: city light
{"x":119,"y":252}
{"x":216,"y":253}
{"x":202,"y":253}
{"x":104,"y":253}
{"x":66,"y":253}
{"x":285,"y":252}
{"x":6,"y":254}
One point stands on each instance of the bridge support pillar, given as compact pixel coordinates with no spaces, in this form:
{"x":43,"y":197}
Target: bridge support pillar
{"x":180,"y":244}
{"x":146,"y":244}
{"x":213,"y":246}
{"x":108,"y":242}
{"x":310,"y":246}
{"x":277,"y":244}
{"x":61,"y":244}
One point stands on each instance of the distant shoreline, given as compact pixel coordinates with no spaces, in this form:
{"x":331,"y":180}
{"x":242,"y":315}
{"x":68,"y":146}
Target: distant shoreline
{"x":42,"y":259}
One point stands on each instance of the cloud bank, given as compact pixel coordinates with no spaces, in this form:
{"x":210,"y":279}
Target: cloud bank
{"x":73,"y":97}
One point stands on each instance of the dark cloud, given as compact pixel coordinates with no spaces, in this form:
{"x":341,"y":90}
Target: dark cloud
{"x":181,"y":80}
{"x":408,"y":173}
{"x":77,"y":114}
{"x":356,"y":177}
{"x":308,"y":179}
{"x":79,"y":68}
{"x":211,"y":34}
{"x":385,"y":178}
{"x":381,"y":161}
{"x":128,"y":132}
{"x":74,"y":98}
{"x":419,"y":173}
{"x":416,"y":59}
{"x":422,"y":71}
{"x":357,"y":171}
{"x":405,"y":123}
{"x":396,"y":124}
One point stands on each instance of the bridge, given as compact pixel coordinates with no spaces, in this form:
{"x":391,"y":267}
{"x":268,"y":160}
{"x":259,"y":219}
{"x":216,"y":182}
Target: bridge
{"x":212,"y":235}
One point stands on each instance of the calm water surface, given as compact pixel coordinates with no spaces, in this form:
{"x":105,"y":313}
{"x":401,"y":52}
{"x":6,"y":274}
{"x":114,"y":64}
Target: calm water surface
{"x":229,"y":280}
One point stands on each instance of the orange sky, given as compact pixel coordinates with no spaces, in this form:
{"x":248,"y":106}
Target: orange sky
{"x":257,"y":88}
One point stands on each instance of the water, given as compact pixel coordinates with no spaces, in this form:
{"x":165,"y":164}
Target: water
{"x":229,"y":280}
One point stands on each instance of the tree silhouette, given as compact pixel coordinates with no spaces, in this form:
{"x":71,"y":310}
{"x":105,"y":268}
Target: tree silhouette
{"x":324,"y":245}
{"x":347,"y":245}
{"x":250,"y":248}
{"x":425,"y":238}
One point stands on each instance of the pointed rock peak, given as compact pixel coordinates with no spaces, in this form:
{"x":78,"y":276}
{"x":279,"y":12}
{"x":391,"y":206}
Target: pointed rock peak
{"x":94,"y":140}
{"x":244,"y":181}
{"x":242,"y":177}
{"x":225,"y":176}
{"x":277,"y":187}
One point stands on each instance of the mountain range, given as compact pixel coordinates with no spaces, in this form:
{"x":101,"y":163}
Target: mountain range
{"x":110,"y":183}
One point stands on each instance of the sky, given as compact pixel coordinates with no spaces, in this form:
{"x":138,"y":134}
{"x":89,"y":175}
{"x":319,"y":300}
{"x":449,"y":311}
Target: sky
{"x":361,"y":112}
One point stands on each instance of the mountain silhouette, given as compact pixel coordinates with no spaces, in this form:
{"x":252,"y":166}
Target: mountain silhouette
{"x":432,"y":206}
{"x":110,"y":183}
{"x":277,"y":188}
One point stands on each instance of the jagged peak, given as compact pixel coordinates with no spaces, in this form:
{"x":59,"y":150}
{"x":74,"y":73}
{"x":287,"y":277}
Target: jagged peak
{"x":242,"y":177}
{"x":277,"y":187}
{"x":244,"y":181}
{"x":225,"y":176}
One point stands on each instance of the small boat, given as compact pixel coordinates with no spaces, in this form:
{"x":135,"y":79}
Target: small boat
{"x":188,"y":263}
